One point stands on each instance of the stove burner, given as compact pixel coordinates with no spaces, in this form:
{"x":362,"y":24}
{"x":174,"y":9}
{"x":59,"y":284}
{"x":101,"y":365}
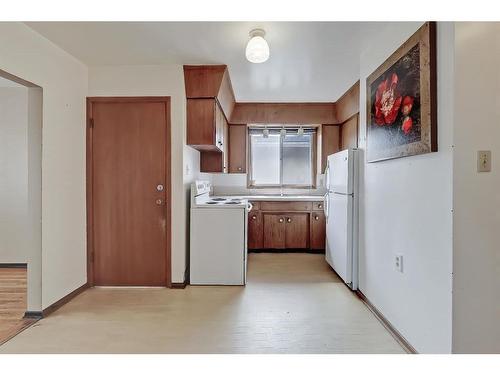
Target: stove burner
{"x":219,"y":199}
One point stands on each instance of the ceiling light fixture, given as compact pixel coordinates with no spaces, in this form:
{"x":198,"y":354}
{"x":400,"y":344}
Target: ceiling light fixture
{"x":257,"y":50}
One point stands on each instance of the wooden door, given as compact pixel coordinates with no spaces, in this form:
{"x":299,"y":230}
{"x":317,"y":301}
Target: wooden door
{"x":129,"y":182}
{"x":237,"y":148}
{"x":274,"y":231}
{"x":297,"y":231}
{"x":255,"y":230}
{"x":318,"y":230}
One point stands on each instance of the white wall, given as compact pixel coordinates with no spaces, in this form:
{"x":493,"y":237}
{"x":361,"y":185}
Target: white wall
{"x":13,"y":174}
{"x":406,"y":208}
{"x":160,"y":80}
{"x":29,"y":56}
{"x":476,"y":196}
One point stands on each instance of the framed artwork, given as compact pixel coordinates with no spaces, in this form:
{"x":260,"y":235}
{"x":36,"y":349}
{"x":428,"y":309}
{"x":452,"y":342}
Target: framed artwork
{"x":401,"y":100}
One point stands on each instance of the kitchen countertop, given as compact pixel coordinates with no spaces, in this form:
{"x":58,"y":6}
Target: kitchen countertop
{"x":277,"y":197}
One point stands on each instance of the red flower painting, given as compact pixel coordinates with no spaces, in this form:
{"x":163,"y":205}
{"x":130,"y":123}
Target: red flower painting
{"x":400,"y":116}
{"x":387,"y":101}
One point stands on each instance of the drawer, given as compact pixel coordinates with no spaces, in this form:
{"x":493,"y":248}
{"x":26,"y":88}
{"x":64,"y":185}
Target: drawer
{"x":286,"y":206}
{"x":318,"y":206}
{"x":256,"y":205}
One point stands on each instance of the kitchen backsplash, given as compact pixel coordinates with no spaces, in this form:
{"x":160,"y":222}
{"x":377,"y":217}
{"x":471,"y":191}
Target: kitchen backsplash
{"x":236,"y":184}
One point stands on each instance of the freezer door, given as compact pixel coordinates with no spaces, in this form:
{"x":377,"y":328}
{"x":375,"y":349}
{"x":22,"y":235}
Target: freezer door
{"x":340,"y":172}
{"x":339,"y":235}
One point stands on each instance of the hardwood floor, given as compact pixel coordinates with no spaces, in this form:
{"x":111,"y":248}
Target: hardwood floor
{"x":13,"y":290}
{"x":293,"y":303}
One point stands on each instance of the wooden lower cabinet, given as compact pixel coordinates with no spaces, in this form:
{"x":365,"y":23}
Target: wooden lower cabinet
{"x":297,"y":231}
{"x":274,"y":231}
{"x":255,"y":230}
{"x":318,"y":230}
{"x":300,"y":227}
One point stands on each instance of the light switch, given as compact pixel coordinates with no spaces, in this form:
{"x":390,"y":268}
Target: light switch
{"x":484,"y":161}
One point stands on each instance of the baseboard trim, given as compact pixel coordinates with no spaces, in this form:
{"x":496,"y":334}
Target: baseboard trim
{"x":13,"y":265}
{"x":178,"y":285}
{"x":33,"y":315}
{"x":392,"y":330}
{"x":284,"y":251}
{"x":58,"y":304}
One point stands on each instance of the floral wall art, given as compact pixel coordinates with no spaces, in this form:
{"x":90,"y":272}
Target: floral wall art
{"x":401,"y":100}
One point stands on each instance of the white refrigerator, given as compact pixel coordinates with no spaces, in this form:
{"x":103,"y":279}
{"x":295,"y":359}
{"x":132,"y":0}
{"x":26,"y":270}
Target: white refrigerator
{"x":341,"y":211}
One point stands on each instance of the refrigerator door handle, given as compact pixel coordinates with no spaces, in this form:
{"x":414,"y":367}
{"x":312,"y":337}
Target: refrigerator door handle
{"x":346,"y":194}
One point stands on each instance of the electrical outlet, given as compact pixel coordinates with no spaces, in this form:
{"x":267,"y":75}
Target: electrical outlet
{"x":484,"y":161}
{"x":398,"y":262}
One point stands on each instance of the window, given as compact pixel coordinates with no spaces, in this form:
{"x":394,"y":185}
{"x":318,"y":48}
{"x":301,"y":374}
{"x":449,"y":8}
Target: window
{"x":281,"y":160}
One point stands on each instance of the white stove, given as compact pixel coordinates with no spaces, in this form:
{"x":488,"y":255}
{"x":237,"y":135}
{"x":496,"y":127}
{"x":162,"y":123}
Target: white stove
{"x":201,"y":198}
{"x":218,"y":250}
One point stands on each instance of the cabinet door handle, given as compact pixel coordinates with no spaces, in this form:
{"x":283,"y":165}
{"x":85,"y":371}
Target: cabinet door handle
{"x":254,"y":217}
{"x":288,"y":220}
{"x":320,"y":205}
{"x":281,"y":220}
{"x":239,"y":168}
{"x":316,"y":217}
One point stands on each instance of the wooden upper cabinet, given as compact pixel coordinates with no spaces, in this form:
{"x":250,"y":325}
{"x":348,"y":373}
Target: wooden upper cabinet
{"x":237,"y":148}
{"x":330,"y":143}
{"x":201,"y":124}
{"x":214,"y":158}
{"x":210,"y":102}
{"x":348,"y":104}
{"x":206,"y":125}
{"x":349,"y":133}
{"x":210,"y":81}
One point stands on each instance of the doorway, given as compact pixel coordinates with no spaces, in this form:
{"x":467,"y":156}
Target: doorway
{"x":20,"y":204}
{"x":128,"y":191}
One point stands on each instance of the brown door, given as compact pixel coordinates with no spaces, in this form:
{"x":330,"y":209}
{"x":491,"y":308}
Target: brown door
{"x":255,"y":230}
{"x":318,"y":230}
{"x":130,"y":191}
{"x":297,"y":231}
{"x":274,"y":231}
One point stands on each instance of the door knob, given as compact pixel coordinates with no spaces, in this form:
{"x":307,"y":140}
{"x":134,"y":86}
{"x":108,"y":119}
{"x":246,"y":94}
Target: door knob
{"x":281,"y":220}
{"x":159,"y":202}
{"x":288,"y":220}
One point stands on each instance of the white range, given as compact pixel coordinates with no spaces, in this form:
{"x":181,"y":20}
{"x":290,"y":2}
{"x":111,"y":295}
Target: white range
{"x":218,"y":246}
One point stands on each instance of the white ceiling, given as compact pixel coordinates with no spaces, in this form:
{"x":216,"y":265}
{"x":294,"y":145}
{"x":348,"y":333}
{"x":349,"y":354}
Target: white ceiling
{"x":310,"y":61}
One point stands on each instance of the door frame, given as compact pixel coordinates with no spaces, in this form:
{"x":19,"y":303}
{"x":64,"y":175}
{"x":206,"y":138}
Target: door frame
{"x":89,"y":171}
